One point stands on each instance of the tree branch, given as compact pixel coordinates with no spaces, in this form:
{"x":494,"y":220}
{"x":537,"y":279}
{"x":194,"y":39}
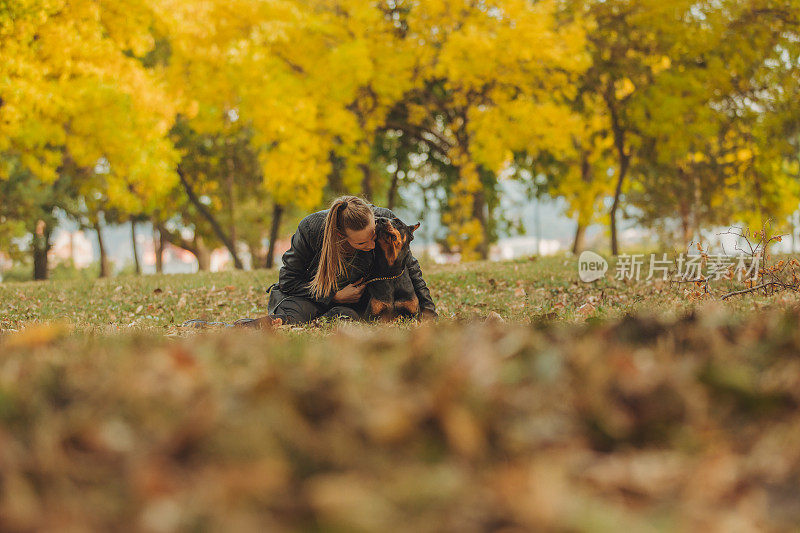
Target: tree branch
{"x":416,"y":132}
{"x":210,"y":218}
{"x":176,"y":240}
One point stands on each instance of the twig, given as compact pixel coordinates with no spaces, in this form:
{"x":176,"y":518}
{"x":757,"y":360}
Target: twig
{"x":757,"y":287}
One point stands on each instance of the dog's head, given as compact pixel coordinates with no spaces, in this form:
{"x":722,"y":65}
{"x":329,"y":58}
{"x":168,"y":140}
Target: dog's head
{"x":393,"y":238}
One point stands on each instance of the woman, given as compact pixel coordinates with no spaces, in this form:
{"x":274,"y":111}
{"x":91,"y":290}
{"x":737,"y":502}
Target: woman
{"x":324,"y":271}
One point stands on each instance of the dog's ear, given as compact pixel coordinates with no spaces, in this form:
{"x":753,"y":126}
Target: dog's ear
{"x":414,"y":227}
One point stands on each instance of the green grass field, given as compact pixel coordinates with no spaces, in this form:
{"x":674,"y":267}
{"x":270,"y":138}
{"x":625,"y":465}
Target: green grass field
{"x":521,"y":291}
{"x":650,"y":410}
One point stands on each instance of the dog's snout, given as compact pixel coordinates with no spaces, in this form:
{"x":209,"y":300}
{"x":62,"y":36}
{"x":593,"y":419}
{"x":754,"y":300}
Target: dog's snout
{"x":382,"y":226}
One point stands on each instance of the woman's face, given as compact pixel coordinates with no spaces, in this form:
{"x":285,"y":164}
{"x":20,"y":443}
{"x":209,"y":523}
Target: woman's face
{"x":362,"y":239}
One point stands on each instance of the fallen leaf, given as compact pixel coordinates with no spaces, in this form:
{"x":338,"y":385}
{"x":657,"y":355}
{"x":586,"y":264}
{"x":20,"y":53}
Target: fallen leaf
{"x":38,"y":335}
{"x":494,"y":317}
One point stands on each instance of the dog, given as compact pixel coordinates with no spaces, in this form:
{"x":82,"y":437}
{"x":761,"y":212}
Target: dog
{"x":391,"y":293}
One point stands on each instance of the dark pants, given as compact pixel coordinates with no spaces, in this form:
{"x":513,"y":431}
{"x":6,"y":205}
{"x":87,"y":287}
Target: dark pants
{"x":299,"y":310}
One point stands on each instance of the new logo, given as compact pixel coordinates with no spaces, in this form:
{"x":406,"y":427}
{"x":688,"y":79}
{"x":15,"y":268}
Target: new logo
{"x":591,"y":266}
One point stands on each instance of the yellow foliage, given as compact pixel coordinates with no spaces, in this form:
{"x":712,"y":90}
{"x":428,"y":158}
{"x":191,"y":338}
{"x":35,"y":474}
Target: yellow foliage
{"x":624,"y":88}
{"x":316,"y":80}
{"x":73,"y":84}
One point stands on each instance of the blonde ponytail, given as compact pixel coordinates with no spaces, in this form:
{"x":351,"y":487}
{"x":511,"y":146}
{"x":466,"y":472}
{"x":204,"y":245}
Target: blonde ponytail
{"x":346,"y":212}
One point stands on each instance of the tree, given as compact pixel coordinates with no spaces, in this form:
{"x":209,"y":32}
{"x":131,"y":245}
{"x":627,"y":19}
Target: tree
{"x":74,"y":95}
{"x":471,"y":115}
{"x":29,"y":207}
{"x":717,"y":126}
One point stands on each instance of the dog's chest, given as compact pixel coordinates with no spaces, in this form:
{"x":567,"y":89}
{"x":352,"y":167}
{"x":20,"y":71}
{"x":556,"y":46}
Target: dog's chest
{"x":392,"y":290}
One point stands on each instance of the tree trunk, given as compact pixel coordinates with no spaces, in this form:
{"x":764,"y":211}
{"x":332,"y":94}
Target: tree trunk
{"x":586,"y":177}
{"x":211,"y":220}
{"x":366,"y":182}
{"x":335,"y":181}
{"x":258,"y":252}
{"x":580,"y":234}
{"x":104,"y":266}
{"x":229,"y":183}
{"x":686,"y":229}
{"x":135,"y":251}
{"x":392,"y":196}
{"x":203,"y":254}
{"x":623,"y":158}
{"x":277,"y":213}
{"x":41,"y":245}
{"x":479,"y":212}
{"x":623,"y":169}
{"x":158,"y":246}
{"x":40,"y":270}
{"x":537,"y":211}
{"x":196,"y":246}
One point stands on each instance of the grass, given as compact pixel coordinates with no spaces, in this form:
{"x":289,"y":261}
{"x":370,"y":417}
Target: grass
{"x":650,"y":410}
{"x":522,"y":291}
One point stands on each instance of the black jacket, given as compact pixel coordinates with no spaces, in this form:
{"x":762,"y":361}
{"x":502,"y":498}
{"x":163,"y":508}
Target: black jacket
{"x":301,"y":260}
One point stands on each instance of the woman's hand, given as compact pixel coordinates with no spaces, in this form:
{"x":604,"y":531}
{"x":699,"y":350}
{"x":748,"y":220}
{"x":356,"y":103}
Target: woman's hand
{"x":351,"y":293}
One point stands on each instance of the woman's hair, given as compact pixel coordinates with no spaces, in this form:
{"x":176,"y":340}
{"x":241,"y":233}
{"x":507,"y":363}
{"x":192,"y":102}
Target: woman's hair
{"x":346,"y":212}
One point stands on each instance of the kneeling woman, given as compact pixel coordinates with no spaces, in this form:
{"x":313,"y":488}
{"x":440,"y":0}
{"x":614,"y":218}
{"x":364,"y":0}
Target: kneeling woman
{"x":330,"y":258}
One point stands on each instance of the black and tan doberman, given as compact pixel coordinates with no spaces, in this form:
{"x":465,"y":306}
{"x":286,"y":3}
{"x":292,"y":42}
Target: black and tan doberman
{"x":391,"y":293}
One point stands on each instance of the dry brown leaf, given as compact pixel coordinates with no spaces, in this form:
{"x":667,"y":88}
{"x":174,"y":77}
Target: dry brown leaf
{"x":38,"y":335}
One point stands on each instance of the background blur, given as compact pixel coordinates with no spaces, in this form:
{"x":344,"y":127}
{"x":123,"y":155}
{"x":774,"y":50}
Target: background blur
{"x":177,"y":135}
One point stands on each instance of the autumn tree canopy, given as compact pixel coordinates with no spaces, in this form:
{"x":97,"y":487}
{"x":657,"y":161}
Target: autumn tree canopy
{"x":217,"y":120}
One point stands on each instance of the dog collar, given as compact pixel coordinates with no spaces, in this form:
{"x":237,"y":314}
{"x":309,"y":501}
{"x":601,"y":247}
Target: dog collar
{"x":389,"y":277}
